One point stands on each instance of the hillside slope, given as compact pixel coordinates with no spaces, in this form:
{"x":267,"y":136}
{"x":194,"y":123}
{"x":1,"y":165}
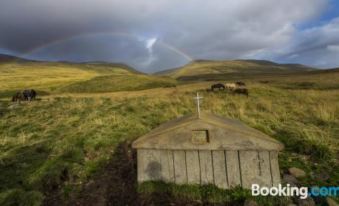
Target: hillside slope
{"x":77,"y":148}
{"x":319,"y":79}
{"x":54,"y":77}
{"x":211,"y":70}
{"x":7,"y":58}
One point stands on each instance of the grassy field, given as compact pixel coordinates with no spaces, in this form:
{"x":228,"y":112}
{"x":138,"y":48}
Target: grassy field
{"x":74,"y":148}
{"x":51,"y":78}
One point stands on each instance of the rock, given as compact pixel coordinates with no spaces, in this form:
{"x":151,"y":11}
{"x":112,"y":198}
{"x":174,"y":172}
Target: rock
{"x":296,"y":172}
{"x":289,"y":179}
{"x":331,"y":202}
{"x":306,"y":202}
{"x":250,"y":203}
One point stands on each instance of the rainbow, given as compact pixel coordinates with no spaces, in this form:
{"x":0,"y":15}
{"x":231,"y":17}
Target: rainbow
{"x":123,"y":34}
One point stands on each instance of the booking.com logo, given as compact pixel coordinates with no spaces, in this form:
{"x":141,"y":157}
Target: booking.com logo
{"x":292,"y":191}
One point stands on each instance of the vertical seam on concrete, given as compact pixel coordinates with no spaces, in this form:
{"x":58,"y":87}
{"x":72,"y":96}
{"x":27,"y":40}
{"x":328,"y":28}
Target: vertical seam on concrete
{"x":259,"y":163}
{"x":168,"y":166}
{"x":186,"y":167}
{"x":269,"y":158}
{"x":212,"y":167}
{"x":226,"y":172}
{"x":199,"y":166}
{"x":173,"y":166}
{"x":139,"y":169}
{"x":240,"y":168}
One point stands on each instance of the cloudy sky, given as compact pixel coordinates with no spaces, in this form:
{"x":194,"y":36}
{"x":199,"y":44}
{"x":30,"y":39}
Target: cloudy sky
{"x":153,"y":35}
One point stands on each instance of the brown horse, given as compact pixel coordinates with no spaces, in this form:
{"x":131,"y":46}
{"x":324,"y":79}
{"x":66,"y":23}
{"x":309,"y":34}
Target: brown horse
{"x":26,"y":95}
{"x":218,"y":86}
{"x":239,"y":83}
{"x":241,"y":90}
{"x":17,"y":97}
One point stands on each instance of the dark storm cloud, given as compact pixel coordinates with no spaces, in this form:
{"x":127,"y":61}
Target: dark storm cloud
{"x":217,"y":29}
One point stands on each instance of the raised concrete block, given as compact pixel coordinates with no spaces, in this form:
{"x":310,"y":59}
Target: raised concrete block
{"x":233,"y":168}
{"x":206,"y":167}
{"x":275,"y":168}
{"x":167,"y":165}
{"x":180,"y":172}
{"x":219,"y":167}
{"x":193,"y":167}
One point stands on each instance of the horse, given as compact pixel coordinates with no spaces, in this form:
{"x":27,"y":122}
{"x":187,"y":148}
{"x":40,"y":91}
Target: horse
{"x":29,"y":95}
{"x":239,"y":83}
{"x":241,"y":90}
{"x":17,"y":97}
{"x":26,"y":95}
{"x":218,"y":86}
{"x":230,"y":86}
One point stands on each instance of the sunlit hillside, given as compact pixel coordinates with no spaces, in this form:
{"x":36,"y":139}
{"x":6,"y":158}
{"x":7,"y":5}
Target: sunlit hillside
{"x":50,"y":77}
{"x":210,"y":70}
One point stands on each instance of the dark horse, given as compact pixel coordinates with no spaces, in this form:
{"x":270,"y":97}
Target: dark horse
{"x":240,"y":83}
{"x":26,"y":95}
{"x":29,"y":94}
{"x":241,"y":91}
{"x":218,"y":86}
{"x":17,"y":97}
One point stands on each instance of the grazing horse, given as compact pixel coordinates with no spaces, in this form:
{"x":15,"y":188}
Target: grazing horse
{"x":241,"y":90}
{"x":29,"y":95}
{"x":230,"y":86}
{"x":26,"y":95}
{"x":17,"y":97}
{"x":218,"y":86}
{"x":240,"y":83}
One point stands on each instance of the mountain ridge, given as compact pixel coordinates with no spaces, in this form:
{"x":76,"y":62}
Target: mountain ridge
{"x":214,"y":68}
{"x":4,"y":58}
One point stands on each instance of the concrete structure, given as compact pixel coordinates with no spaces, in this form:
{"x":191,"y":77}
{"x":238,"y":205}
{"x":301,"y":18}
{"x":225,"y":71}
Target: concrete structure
{"x":207,"y":149}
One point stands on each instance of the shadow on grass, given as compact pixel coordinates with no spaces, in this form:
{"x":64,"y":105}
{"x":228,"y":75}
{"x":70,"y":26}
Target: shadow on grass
{"x":117,"y":185}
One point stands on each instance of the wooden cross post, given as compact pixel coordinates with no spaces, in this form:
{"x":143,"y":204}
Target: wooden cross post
{"x":198,"y":103}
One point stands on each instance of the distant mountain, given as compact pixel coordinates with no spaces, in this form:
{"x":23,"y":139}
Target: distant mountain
{"x":5,"y":58}
{"x":92,"y":64}
{"x":119,"y":65}
{"x":210,"y":70}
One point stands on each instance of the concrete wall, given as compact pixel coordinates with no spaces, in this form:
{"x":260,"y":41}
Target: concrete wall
{"x":225,"y":169}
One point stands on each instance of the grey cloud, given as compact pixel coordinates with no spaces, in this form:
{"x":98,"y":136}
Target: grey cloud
{"x":316,"y":46}
{"x":217,"y":29}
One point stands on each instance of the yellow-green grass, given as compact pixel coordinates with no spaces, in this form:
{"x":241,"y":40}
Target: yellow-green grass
{"x":322,"y":80}
{"x":213,"y":69}
{"x":121,"y":82}
{"x":49,"y":78}
{"x":15,"y":76}
{"x":80,"y":134}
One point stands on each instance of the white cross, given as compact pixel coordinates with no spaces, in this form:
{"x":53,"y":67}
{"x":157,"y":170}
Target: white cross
{"x":198,"y":103}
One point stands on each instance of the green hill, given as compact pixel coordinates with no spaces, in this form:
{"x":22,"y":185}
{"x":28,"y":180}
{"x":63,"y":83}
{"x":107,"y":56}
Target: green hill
{"x":217,"y":70}
{"x":55,"y":77}
{"x":75,"y":149}
{"x":327,"y":79}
